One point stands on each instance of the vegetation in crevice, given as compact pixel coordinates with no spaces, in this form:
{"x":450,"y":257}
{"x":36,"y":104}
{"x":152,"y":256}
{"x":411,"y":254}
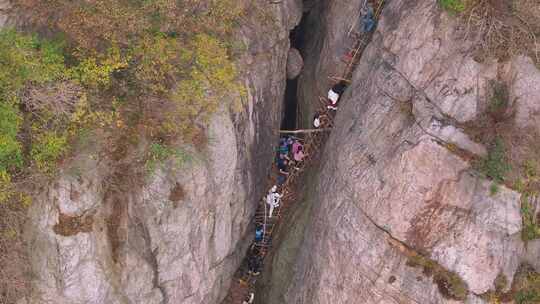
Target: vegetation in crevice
{"x":492,"y":129}
{"x":493,"y":189}
{"x":512,"y":157}
{"x":454,"y":6}
{"x":159,"y":153}
{"x":531,"y":227}
{"x":528,"y":186}
{"x":525,"y":288}
{"x":499,"y":101}
{"x":495,"y":165}
{"x":449,"y":283}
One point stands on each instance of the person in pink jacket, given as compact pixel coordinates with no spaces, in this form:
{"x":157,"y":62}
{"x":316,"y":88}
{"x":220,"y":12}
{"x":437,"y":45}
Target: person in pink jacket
{"x":298,"y":151}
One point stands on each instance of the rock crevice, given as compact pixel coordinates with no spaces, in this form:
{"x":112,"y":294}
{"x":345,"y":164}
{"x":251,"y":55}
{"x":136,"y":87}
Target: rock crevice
{"x":396,"y":180}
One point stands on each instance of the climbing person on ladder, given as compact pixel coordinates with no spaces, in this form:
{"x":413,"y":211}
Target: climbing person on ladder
{"x":286,"y":141}
{"x":320,"y":120}
{"x":298,"y":151}
{"x":249,"y":298}
{"x":334,"y":93}
{"x":259,"y":233}
{"x":273,"y":198}
{"x":254,"y":261}
{"x":368,"y":19}
{"x":284,"y":146}
{"x":283,"y":167}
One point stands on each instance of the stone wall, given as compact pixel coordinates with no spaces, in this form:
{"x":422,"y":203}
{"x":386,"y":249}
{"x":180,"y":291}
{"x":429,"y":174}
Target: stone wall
{"x":99,"y":235}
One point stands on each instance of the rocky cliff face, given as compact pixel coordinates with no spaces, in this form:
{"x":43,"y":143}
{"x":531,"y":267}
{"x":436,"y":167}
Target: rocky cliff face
{"x":99,"y":235}
{"x":327,"y":25}
{"x":396,"y":182}
{"x":6,"y":13}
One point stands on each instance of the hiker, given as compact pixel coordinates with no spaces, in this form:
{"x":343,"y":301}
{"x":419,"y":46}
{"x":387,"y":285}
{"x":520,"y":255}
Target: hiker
{"x":298,"y":156}
{"x":276,"y":199}
{"x":348,"y":57}
{"x":368,"y":20}
{"x":254,"y":262}
{"x":254,"y":265}
{"x":296,"y":146}
{"x":334,"y":93}
{"x":259,"y":233}
{"x":283,"y":149}
{"x":285,"y":144}
{"x":297,"y":152}
{"x":282,"y":165}
{"x":273,"y":199}
{"x":282,"y":156}
{"x":281,"y":179}
{"x":289,"y":142}
{"x":249,"y":298}
{"x":286,"y":140}
{"x":283,"y":153}
{"x":319,"y":119}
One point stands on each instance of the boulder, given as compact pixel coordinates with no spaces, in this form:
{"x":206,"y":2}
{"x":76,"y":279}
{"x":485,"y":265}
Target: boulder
{"x":295,"y":63}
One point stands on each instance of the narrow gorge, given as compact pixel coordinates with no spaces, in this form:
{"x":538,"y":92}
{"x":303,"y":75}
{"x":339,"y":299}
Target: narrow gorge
{"x":424,"y":191}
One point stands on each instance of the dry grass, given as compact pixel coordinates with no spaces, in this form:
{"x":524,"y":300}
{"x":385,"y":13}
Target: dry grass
{"x":450,"y":285}
{"x":525,"y":288}
{"x":504,"y":28}
{"x":520,"y":145}
{"x":516,"y":165}
{"x":177,"y":194}
{"x":71,"y":225}
{"x":14,"y":263}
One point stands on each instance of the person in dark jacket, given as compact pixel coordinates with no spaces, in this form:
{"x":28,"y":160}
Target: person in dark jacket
{"x":282,"y":165}
{"x":254,"y":263}
{"x":335,"y":93}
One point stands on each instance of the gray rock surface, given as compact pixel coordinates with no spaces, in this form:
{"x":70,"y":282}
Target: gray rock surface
{"x":295,"y":63}
{"x":328,"y":23}
{"x":178,"y":235}
{"x":452,"y":135}
{"x":524,"y":78}
{"x":388,"y":175}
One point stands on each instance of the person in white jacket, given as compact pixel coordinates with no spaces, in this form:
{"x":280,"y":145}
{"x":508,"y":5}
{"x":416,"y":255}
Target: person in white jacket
{"x":249,"y":299}
{"x":273,"y":199}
